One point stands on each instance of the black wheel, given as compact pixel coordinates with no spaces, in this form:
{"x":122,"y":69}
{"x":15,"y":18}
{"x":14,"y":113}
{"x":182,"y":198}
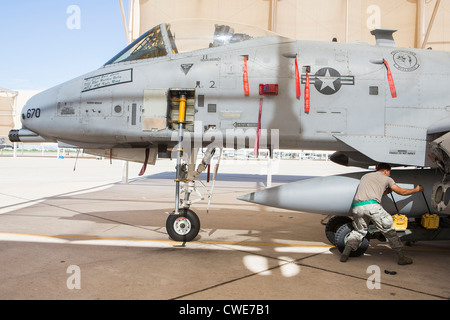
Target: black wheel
{"x":341,"y":239}
{"x":184,"y":226}
{"x":333,"y":225}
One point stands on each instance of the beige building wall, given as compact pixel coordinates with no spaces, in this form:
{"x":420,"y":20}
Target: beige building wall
{"x":7,"y":105}
{"x":11,"y":105}
{"x":346,"y":20}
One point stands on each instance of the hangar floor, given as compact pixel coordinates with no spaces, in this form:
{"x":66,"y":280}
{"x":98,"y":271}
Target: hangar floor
{"x":84,"y":234}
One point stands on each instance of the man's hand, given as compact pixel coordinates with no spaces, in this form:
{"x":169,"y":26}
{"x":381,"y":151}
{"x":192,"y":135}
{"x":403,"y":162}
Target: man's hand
{"x":387,"y":191}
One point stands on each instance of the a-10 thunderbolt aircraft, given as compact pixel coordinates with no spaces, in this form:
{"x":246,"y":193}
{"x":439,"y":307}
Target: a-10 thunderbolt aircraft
{"x":163,"y":95}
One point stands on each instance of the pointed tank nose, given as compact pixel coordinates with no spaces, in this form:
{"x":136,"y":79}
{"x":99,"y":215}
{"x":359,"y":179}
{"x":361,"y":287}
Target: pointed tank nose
{"x":323,"y":195}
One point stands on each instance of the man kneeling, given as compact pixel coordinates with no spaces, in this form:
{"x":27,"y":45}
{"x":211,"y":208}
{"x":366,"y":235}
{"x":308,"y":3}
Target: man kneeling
{"x":367,"y":207}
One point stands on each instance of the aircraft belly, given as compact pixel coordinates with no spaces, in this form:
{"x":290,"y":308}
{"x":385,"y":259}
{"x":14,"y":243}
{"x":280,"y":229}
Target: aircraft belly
{"x":134,"y":155}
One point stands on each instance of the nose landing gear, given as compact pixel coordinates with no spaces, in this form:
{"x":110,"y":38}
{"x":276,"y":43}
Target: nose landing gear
{"x":184,"y":226}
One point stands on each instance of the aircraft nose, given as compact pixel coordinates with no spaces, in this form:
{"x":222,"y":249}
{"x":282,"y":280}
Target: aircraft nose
{"x":37,"y":119}
{"x":36,"y":112}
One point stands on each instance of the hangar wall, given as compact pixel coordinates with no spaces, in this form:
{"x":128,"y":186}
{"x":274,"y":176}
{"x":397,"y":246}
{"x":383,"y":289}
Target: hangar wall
{"x":7,"y":106}
{"x":346,"y":20}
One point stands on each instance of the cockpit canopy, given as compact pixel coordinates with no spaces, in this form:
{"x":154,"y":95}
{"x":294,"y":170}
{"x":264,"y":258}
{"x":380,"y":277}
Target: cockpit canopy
{"x":184,"y":36}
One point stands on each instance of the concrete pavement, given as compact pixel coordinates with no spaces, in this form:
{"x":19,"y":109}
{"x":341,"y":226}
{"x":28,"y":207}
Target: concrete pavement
{"x":86,"y":235}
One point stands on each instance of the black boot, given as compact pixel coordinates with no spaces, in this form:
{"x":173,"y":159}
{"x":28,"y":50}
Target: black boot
{"x":402,"y":259}
{"x":346,"y":253}
{"x":397,"y":246}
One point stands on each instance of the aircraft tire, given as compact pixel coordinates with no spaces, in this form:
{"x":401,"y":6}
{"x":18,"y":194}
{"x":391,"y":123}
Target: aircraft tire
{"x":184,"y":226}
{"x":333,"y":225}
{"x":341,"y":239}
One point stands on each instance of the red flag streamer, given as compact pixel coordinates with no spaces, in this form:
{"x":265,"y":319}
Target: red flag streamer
{"x":391,"y":80}
{"x":258,"y":132}
{"x":307,"y":94}
{"x":144,"y":166}
{"x":297,"y":79}
{"x":246,"y":85}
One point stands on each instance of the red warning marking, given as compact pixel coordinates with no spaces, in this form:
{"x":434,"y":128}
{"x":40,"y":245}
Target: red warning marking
{"x":391,"y":80}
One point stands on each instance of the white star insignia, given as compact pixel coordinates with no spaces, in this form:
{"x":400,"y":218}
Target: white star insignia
{"x":328,"y":81}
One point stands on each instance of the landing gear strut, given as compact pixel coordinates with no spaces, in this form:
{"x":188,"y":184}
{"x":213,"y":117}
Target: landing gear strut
{"x":183,"y":224}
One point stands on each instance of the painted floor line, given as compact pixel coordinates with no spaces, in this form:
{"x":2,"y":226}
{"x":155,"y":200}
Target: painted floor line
{"x":158,"y":243}
{"x":134,"y":242}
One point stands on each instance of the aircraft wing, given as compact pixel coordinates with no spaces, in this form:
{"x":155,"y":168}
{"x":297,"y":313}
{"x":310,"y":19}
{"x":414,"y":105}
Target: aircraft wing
{"x":401,"y":145}
{"x":395,"y":150}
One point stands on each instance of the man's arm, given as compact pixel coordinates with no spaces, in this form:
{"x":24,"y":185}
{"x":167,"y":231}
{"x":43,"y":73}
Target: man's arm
{"x":406,"y":192}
